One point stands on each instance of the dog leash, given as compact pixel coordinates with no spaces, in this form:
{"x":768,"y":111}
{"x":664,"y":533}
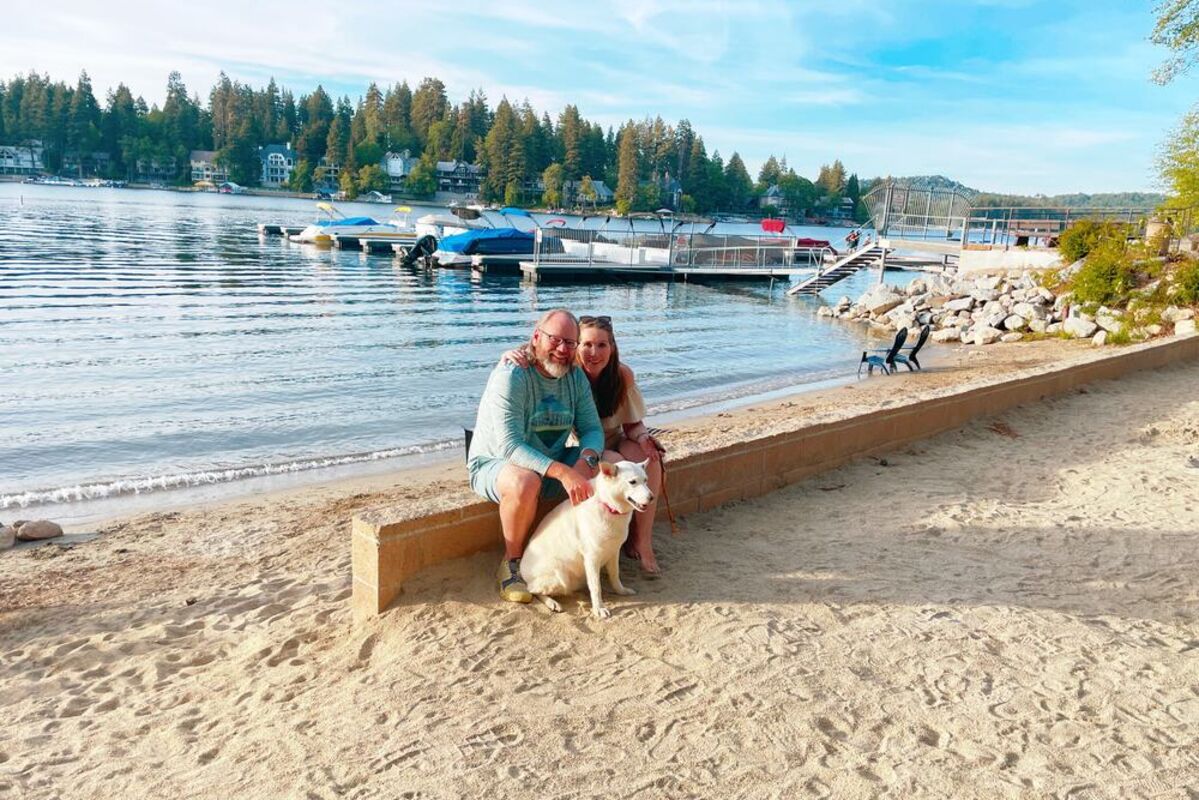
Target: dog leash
{"x":674,"y":525}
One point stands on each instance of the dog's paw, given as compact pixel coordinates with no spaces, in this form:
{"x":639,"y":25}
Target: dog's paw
{"x":624,"y":590}
{"x":552,"y":604}
{"x":600,"y":613}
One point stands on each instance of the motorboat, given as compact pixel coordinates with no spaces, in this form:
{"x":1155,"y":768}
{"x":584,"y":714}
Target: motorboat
{"x":443,"y":225}
{"x":498,"y":247}
{"x":324,"y":231}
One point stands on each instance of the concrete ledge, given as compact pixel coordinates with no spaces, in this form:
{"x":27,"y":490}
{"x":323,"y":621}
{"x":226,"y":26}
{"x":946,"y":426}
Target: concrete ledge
{"x":390,"y":545}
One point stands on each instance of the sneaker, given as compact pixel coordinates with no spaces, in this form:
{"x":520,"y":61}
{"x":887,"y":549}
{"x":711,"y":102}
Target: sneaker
{"x":512,"y":586}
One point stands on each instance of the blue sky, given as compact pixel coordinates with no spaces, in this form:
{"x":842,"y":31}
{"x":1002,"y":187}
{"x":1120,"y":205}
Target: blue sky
{"x":1004,"y":95}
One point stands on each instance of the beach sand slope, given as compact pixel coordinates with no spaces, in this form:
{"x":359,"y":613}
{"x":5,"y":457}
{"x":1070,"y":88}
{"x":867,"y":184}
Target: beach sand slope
{"x":1006,"y":610}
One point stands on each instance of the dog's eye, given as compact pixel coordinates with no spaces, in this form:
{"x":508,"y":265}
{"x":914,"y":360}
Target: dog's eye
{"x":633,"y":482}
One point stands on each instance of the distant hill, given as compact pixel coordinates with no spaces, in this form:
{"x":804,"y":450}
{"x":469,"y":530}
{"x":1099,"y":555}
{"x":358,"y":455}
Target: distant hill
{"x":983,"y":199}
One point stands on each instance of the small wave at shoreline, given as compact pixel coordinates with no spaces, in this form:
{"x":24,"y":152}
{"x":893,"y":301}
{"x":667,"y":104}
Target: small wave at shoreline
{"x":186,"y":480}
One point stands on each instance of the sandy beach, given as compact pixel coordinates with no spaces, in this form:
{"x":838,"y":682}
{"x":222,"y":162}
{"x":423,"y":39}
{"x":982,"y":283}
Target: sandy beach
{"x":1006,"y":610}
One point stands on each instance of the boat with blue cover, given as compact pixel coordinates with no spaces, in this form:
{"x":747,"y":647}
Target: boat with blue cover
{"x":325,"y":231}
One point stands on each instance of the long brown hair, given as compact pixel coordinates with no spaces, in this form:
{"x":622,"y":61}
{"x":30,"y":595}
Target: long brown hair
{"x":609,"y":388}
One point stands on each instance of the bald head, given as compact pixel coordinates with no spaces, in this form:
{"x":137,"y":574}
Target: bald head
{"x":554,"y":340}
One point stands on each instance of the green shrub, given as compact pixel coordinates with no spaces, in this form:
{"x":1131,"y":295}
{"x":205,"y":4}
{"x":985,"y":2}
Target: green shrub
{"x":1122,"y":336}
{"x":1106,"y":276}
{"x":1084,"y":236}
{"x":1186,"y":283}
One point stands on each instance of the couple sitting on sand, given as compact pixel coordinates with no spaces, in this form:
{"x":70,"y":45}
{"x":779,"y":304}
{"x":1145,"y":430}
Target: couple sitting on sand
{"x":568,"y":380}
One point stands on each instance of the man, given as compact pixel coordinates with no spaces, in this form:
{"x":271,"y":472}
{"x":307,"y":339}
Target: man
{"x":525,"y":417}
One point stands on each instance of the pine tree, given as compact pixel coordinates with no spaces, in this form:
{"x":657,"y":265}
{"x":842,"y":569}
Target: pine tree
{"x":83,"y":136}
{"x":737,"y":183}
{"x":770,"y":173}
{"x":627,"y":170}
{"x":497,"y":149}
{"x":570,"y":136}
{"x":429,"y":104}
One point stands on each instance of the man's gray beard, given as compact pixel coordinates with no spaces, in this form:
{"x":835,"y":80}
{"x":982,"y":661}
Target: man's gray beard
{"x":555,"y":369}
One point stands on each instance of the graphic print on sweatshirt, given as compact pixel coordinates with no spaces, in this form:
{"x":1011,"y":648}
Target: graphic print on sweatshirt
{"x":552,"y":421}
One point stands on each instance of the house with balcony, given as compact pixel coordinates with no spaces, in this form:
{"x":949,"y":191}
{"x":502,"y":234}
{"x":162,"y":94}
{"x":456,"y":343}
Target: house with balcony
{"x":329,"y":173}
{"x":278,"y":160}
{"x":22,"y":159}
{"x":459,"y":177}
{"x":205,"y":168}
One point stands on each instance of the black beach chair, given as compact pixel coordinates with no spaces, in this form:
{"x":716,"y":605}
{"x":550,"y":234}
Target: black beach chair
{"x":885,"y":363}
{"x":910,"y":358}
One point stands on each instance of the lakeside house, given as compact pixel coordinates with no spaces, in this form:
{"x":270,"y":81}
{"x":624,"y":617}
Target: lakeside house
{"x":24,"y":159}
{"x":205,"y":168}
{"x":459,"y":177}
{"x":774,"y":197}
{"x":603,"y":195}
{"x":278,"y":160}
{"x":398,"y":167}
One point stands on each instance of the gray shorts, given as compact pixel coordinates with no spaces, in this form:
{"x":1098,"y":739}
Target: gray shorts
{"x":483,"y":479}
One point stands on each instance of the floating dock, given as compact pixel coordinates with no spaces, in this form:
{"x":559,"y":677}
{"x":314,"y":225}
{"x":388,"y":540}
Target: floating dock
{"x":370,"y":244}
{"x":583,"y":270}
{"x":285,"y":231}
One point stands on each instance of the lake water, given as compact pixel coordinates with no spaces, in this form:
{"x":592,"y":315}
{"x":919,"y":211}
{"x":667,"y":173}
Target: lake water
{"x":151,"y":340}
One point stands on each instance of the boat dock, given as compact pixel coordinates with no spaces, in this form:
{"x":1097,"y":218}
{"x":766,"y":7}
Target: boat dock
{"x":368,"y":244}
{"x":608,"y":254}
{"x":279,"y":230}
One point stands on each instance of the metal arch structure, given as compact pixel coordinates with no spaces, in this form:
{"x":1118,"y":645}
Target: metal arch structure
{"x":902,"y":211}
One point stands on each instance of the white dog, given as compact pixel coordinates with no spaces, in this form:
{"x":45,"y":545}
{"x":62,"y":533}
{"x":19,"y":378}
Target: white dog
{"x":573,"y":543}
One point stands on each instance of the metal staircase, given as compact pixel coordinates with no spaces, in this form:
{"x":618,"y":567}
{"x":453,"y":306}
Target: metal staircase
{"x":850,"y":264}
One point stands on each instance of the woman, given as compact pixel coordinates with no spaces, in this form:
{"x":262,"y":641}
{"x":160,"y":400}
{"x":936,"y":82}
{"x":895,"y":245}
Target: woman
{"x":622,"y":412}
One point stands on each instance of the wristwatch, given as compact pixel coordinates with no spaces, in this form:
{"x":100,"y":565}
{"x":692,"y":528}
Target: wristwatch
{"x":592,"y":460}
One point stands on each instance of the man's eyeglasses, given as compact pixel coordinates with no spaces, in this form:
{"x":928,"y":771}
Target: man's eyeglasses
{"x":558,"y":341}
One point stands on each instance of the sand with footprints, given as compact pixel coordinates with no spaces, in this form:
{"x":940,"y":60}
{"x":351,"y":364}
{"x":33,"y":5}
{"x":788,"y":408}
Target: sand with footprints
{"x":1006,"y":610}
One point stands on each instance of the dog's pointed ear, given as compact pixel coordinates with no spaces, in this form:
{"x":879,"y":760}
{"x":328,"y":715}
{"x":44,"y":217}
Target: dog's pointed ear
{"x":607,"y":469}
{"x":643,"y":464}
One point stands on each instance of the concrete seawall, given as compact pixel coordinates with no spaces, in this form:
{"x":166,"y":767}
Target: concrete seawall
{"x":389,"y":545}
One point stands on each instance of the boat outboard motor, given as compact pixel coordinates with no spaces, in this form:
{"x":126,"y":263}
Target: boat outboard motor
{"x":422,"y":248}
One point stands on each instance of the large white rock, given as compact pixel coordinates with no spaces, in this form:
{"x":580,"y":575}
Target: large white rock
{"x":988,"y":281}
{"x":825,"y":311}
{"x":984,"y":295}
{"x":987,"y":335}
{"x":1154,"y":330}
{"x":1079,"y":328}
{"x":960,"y":304}
{"x":1053,"y":327}
{"x":995,"y":320}
{"x":1015,"y":323}
{"x":946,"y":335}
{"x":8,"y":537}
{"x":1008,"y":338}
{"x":1099,"y":339}
{"x":843,"y":302}
{"x":918,"y":286}
{"x":1184,"y":327}
{"x":1037,"y":325}
{"x":1029,"y":311}
{"x":39,"y":529}
{"x":1109,"y":323}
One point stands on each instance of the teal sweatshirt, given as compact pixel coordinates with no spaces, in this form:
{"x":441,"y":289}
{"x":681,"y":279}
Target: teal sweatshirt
{"x":526,"y":418}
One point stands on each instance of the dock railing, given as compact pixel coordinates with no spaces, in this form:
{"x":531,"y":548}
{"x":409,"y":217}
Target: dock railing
{"x":677,"y":251}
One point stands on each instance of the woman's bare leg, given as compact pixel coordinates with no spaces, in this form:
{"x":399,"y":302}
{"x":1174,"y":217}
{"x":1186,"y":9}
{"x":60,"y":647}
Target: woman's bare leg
{"x":641,"y":533}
